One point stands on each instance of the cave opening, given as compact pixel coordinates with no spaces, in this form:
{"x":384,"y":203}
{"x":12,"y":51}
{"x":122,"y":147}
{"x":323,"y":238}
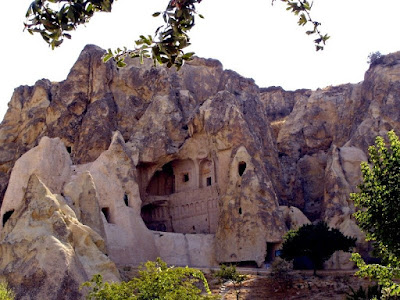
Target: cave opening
{"x":162,"y":182}
{"x":241,"y":168}
{"x":176,"y":199}
{"x":107,"y":214}
{"x":156,"y":217}
{"x":7,"y":216}
{"x":272,"y":249}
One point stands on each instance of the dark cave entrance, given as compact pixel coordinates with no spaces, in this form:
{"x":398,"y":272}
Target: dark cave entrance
{"x":241,"y":168}
{"x":162,"y":182}
{"x":7,"y":216}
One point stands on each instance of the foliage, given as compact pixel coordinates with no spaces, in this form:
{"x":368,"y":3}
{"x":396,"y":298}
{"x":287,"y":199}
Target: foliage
{"x":156,"y":281}
{"x":384,"y":275}
{"x":379,"y":196}
{"x":372,"y":292}
{"x":229,"y":273}
{"x":280,"y":270}
{"x":302,"y":8}
{"x":374,"y":58}
{"x":53,"y":19}
{"x":379,"y":213}
{"x":317,"y":242}
{"x":5,"y":292}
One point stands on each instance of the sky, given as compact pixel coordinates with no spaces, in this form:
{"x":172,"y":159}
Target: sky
{"x":252,"y":37}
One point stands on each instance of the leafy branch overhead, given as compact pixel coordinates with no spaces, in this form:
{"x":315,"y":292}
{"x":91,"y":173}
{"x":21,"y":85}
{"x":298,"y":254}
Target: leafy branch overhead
{"x":302,"y":8}
{"x":54,"y":19}
{"x":166,"y":47}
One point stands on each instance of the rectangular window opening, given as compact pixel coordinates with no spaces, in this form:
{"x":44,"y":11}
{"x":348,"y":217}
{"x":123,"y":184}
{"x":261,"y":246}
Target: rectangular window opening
{"x":186,"y":177}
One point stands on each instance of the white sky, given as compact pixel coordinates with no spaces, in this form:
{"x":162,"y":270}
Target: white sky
{"x":251,"y":37}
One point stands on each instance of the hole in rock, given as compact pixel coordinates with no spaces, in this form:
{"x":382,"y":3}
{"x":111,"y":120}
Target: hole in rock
{"x":126,"y":200}
{"x":6,"y":216}
{"x":241,"y":168}
{"x":106,"y":213}
{"x":272,"y":252}
{"x":240,"y":210}
{"x":181,"y":198}
{"x":69,"y":149}
{"x":186,"y":177}
{"x":155,"y":216}
{"x":162,"y":182}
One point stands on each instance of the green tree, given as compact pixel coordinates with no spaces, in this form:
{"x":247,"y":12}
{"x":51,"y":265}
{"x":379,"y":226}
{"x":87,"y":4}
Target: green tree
{"x":379,"y":213}
{"x":54,"y":19}
{"x":317,"y":242}
{"x":229,"y":273}
{"x":156,"y":281}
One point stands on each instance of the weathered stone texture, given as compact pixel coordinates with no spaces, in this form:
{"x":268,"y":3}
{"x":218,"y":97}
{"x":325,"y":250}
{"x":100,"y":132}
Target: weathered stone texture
{"x":142,"y":147}
{"x":46,"y":253}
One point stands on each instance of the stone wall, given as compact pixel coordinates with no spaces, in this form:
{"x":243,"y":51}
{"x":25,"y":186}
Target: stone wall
{"x":197,"y":250}
{"x":194,"y":211}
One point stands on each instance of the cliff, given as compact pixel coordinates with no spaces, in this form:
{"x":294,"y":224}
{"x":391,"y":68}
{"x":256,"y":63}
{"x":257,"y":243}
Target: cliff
{"x":198,"y":166}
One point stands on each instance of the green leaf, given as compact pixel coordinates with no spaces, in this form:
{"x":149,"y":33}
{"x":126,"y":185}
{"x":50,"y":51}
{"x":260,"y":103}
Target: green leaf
{"x":188,"y":55}
{"x":107,"y":57}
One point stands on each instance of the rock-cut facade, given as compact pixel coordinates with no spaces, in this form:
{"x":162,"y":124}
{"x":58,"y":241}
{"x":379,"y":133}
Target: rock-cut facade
{"x":113,"y":167}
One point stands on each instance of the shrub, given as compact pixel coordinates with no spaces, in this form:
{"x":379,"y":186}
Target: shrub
{"x":372,"y":292}
{"x":280,"y":270}
{"x":156,"y":281}
{"x":229,"y":273}
{"x":374,"y":58}
{"x":5,"y":292}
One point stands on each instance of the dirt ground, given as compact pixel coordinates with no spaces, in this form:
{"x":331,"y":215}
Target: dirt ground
{"x":262,"y":284}
{"x":293,"y":285}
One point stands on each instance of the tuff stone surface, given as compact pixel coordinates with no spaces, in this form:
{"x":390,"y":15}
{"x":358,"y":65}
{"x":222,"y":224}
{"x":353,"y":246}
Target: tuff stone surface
{"x":46,"y":253}
{"x":200,"y":151}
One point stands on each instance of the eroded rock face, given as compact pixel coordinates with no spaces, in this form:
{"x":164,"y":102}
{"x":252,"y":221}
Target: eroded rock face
{"x":46,"y":253}
{"x":49,"y":160}
{"x":200,"y":151}
{"x":294,"y":217}
{"x":175,"y":161}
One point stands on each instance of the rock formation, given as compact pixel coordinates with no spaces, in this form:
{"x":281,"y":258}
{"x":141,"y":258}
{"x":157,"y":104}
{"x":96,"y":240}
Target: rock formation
{"x":199,"y":166}
{"x":46,"y":253}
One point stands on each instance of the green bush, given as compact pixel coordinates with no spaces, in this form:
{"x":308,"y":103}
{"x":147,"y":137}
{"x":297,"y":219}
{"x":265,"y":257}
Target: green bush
{"x":156,"y":281}
{"x":229,"y":273}
{"x":5,"y":292}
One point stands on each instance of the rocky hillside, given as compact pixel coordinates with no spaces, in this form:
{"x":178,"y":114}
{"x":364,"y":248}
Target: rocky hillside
{"x":202,"y":151}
